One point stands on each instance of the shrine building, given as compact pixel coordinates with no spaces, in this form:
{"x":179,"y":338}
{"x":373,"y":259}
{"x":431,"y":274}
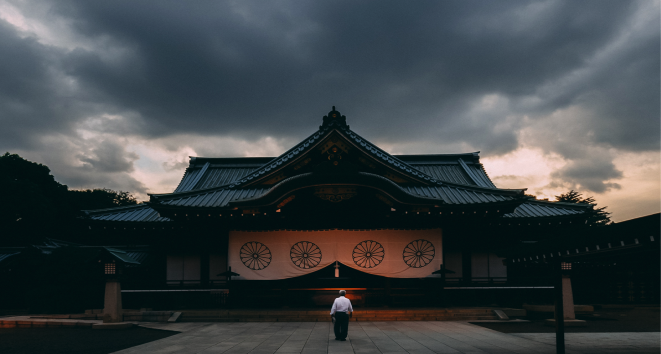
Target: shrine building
{"x":334,"y":211}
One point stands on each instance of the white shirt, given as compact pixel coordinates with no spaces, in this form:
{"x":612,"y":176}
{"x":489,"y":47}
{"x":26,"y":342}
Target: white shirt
{"x":341,"y":304}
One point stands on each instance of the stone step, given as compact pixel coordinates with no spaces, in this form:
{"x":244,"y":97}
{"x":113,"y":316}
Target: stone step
{"x":323,"y":315}
{"x":368,"y":313}
{"x":327,"y":319}
{"x":185,"y":316}
{"x":77,"y":316}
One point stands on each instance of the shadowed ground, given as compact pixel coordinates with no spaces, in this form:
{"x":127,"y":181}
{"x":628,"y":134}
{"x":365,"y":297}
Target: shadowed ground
{"x":74,"y":340}
{"x":422,"y":337}
{"x":638,"y":319}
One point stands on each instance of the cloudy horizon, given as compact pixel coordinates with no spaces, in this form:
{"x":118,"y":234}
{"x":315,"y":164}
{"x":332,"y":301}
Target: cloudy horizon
{"x":556,"y":95}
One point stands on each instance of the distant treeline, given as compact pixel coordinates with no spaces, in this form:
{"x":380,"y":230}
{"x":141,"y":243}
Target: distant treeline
{"x":30,"y":194}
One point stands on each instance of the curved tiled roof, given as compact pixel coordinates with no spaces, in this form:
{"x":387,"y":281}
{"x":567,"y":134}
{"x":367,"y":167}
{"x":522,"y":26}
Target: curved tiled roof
{"x":532,"y":209}
{"x":140,"y":212}
{"x":450,"y":179}
{"x":210,"y":175}
{"x":460,"y":173}
{"x":217,"y":198}
{"x":323,"y":131}
{"x":536,"y":209}
{"x":449,"y":173}
{"x":455,"y":195}
{"x":4,"y":254}
{"x":221,"y":197}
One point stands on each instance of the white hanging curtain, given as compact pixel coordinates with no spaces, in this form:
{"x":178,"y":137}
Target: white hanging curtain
{"x":268,"y":255}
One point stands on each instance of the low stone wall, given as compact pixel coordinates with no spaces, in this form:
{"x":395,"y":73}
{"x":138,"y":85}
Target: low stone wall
{"x":42,"y":324}
{"x":514,"y":312}
{"x":75,"y":316}
{"x":147,"y":316}
{"x":94,"y":311}
{"x":128,"y":315}
{"x":551,"y":308}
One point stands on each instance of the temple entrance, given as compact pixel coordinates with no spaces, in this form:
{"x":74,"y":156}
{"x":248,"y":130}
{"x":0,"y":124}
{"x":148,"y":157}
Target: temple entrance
{"x":302,"y":268}
{"x":283,"y":254}
{"x":318,"y":290}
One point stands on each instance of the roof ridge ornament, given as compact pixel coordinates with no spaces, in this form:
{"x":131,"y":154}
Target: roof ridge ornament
{"x":334,"y":118}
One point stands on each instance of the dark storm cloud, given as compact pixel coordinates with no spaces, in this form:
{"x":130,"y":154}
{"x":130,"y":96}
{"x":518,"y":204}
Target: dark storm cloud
{"x":588,"y":174}
{"x":262,"y":68}
{"x":470,"y":73}
{"x":29,"y":102}
{"x":37,"y":98}
{"x":109,"y":156}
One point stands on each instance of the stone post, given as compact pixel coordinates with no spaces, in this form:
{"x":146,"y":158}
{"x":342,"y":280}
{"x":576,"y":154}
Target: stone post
{"x":112,"y":305}
{"x":564,"y":314}
{"x":559,"y":321}
{"x":567,"y":298}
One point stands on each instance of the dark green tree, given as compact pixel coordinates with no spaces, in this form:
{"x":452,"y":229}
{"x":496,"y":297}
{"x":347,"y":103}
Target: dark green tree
{"x":598,"y":216}
{"x":29,"y":192}
{"x":31,"y":195}
{"x":100,"y":198}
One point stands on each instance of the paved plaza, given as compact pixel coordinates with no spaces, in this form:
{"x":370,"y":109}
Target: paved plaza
{"x":380,"y":337}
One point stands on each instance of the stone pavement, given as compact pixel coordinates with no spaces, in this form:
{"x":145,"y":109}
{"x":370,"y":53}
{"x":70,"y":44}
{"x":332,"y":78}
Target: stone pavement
{"x":380,"y":337}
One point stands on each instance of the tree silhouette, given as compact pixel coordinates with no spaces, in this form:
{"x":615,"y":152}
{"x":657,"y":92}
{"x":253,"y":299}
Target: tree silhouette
{"x":597,"y":217}
{"x":29,"y":192}
{"x":100,"y":198}
{"x":31,"y":196}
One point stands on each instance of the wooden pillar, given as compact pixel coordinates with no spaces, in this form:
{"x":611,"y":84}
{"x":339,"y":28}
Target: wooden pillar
{"x":467,"y":264}
{"x":204,"y":267}
{"x":441,"y":290}
{"x":388,"y":293}
{"x":224,"y":242}
{"x":440,"y":287}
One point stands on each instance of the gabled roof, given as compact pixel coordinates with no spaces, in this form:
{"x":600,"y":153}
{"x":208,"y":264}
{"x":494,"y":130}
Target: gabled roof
{"x":139,"y":212}
{"x":529,"y":209}
{"x":638,"y":236}
{"x":73,"y":252}
{"x":204,"y":173}
{"x":455,"y":168}
{"x":207,"y":173}
{"x":339,"y":125}
{"x":440,"y":194}
{"x":121,"y":255}
{"x":460,"y":184}
{"x":543,"y":208}
{"x":448,"y":179}
{"x":6,"y":253}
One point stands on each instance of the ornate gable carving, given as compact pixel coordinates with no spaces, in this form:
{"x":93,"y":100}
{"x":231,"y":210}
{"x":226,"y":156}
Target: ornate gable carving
{"x":334,"y":149}
{"x":335,"y":194}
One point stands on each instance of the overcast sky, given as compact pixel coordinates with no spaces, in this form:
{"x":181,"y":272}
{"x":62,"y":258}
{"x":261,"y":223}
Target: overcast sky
{"x":556,"y":95}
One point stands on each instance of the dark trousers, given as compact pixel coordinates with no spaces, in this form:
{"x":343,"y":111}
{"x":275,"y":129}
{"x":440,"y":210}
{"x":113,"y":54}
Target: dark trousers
{"x":341,"y":327}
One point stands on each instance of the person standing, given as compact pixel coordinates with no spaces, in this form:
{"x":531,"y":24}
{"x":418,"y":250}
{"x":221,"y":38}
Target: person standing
{"x":342,"y":310}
